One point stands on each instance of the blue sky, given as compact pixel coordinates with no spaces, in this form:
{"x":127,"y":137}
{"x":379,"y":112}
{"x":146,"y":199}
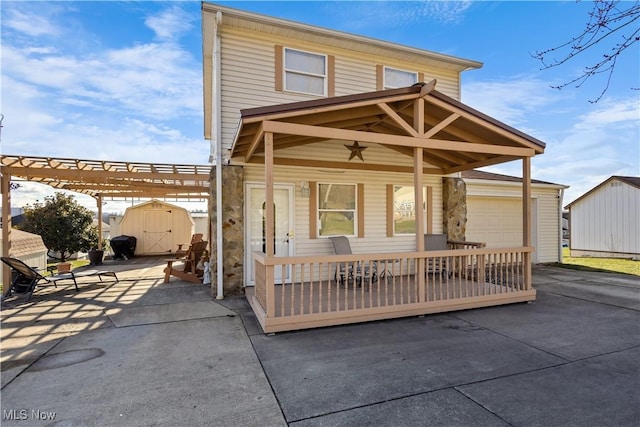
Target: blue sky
{"x":123,"y":80}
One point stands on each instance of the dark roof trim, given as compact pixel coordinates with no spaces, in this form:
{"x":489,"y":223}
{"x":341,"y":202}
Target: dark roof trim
{"x":441,"y":96}
{"x":490,"y":176}
{"x":381,"y":94}
{"x":326,"y":102}
{"x":634,"y":181}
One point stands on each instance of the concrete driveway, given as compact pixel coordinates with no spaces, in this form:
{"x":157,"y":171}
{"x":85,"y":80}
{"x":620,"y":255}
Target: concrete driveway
{"x":141,"y":352}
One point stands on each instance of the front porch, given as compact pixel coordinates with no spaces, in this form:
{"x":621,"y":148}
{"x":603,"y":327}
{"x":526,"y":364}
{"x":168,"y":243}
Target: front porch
{"x":401,"y":285}
{"x":414,"y":132}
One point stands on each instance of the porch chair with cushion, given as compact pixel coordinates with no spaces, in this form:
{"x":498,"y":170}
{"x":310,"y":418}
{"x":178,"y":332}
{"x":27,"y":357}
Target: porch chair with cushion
{"x":437,"y":242}
{"x":351,"y":271}
{"x":25,"y":278}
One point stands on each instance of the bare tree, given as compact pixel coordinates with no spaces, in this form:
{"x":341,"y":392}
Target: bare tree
{"x":610,"y":22}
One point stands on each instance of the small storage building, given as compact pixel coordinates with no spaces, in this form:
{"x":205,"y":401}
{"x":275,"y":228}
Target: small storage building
{"x":28,"y":248}
{"x":605,"y":221}
{"x":158,"y":227}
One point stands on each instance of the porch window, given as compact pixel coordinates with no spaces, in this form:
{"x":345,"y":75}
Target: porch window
{"x":305,"y":72}
{"x":402,"y":212}
{"x":394,"y":78}
{"x":337,"y":209}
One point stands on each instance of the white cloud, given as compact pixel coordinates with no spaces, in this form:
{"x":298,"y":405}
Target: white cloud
{"x":139,"y":102}
{"x":581,"y":150}
{"x":389,"y":14}
{"x":152,"y":80}
{"x":625,"y":112}
{"x":170,"y":23}
{"x":508,"y":100}
{"x":30,"y":23}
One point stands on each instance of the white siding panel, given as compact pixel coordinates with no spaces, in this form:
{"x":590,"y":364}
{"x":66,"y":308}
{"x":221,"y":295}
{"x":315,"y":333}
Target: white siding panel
{"x":605,"y":222}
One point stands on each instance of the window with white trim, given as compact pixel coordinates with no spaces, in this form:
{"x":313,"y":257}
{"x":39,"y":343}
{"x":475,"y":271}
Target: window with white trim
{"x":394,"y":78}
{"x":337,"y":209}
{"x":404,"y":209}
{"x":305,"y":72}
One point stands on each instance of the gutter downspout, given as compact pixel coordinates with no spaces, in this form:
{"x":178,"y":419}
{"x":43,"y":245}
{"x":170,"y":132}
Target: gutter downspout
{"x":215,"y":124}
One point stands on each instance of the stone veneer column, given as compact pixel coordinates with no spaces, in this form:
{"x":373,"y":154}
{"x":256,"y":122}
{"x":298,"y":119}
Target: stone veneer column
{"x":232,"y":229}
{"x":454,"y":205}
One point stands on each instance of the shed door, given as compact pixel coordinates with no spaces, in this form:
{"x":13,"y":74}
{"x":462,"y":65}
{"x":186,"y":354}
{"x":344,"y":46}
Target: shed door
{"x":157,"y":237}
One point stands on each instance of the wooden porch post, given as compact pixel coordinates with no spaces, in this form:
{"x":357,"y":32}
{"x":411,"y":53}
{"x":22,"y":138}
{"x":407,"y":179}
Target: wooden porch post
{"x":6,"y":228}
{"x":99,"y":203}
{"x":269,"y":216}
{"x":418,"y":184}
{"x":526,"y":218}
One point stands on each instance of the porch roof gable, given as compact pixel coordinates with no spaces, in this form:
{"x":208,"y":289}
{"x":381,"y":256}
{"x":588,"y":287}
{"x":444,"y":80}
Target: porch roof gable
{"x":455,"y":137}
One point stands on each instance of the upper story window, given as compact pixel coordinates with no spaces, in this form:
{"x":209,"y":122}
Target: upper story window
{"x":394,"y":78}
{"x":305,"y":72}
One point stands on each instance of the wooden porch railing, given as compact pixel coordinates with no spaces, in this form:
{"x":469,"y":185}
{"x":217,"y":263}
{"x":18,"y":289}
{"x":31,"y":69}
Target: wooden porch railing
{"x":385,"y":285}
{"x":463,"y":244}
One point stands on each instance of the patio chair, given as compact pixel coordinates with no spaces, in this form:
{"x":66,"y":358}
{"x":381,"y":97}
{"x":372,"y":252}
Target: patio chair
{"x":180,"y":252}
{"x":341,"y":246}
{"x":188,"y":271}
{"x":27,"y":278}
{"x":437,"y":242}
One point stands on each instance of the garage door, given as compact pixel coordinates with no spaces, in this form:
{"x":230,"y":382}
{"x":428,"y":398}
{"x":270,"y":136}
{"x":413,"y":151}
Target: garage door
{"x":494,"y":220}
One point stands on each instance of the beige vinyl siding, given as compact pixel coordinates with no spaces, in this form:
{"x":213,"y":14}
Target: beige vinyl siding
{"x":549,"y":226}
{"x":375,"y":239}
{"x":546,"y":216}
{"x":336,"y":151}
{"x":606,"y":222}
{"x":248,"y":74}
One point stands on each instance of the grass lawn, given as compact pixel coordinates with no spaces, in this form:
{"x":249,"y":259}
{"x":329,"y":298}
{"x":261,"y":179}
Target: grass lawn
{"x":75,"y":263}
{"x":617,"y":265}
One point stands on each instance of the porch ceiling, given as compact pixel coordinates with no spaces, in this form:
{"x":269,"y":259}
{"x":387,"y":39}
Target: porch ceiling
{"x":455,"y":136}
{"x":112,"y":179}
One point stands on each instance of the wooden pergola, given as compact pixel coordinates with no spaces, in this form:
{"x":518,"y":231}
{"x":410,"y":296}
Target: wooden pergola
{"x":102,"y":180}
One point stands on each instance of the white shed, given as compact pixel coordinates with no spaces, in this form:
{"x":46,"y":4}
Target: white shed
{"x":605,"y":221}
{"x":28,"y":248}
{"x":494,"y":213}
{"x":158,"y":227}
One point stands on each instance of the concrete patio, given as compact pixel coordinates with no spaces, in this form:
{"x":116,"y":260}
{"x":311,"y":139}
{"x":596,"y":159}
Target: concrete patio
{"x":142,"y":352}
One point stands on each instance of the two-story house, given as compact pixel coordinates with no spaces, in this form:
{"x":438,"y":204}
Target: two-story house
{"x":318,"y":133}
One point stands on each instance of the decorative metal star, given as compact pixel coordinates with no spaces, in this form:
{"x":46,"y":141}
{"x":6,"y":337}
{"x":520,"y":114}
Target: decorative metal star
{"x":356,"y":150}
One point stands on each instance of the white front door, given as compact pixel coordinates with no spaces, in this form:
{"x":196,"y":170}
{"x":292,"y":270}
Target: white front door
{"x":283,"y":196}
